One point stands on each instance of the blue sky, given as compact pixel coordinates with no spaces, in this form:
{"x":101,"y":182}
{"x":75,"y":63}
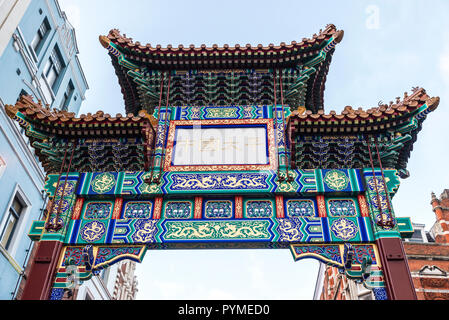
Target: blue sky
{"x":388,"y":48}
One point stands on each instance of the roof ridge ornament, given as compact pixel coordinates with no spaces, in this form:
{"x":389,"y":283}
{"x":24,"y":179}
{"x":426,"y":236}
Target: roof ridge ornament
{"x":330,"y":30}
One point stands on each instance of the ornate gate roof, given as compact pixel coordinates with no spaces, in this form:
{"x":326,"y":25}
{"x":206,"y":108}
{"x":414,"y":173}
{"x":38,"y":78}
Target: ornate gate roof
{"x":223,"y":75}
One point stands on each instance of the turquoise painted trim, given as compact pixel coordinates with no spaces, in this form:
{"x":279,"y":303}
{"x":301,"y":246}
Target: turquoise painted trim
{"x":353,"y":179}
{"x":119,"y":184}
{"x":306,"y":182}
{"x":86,"y":183}
{"x":387,"y":234}
{"x":319,"y":181}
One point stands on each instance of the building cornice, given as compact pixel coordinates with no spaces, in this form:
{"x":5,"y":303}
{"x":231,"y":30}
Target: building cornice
{"x":428,"y":258}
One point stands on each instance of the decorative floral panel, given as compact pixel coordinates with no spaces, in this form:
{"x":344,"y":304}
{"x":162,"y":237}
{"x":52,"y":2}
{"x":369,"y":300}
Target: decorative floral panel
{"x":138,"y":210}
{"x":178,"y":210}
{"x":259,"y":209}
{"x":342,"y":208}
{"x":300,"y":208}
{"x":218,"y":209}
{"x":98,"y":210}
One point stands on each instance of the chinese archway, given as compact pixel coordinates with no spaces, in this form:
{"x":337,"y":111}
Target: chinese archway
{"x":223,"y":147}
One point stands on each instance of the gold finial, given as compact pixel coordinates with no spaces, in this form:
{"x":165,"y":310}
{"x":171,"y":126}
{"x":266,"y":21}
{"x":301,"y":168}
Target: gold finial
{"x":339,"y":36}
{"x":104,"y":41}
{"x":433,"y":103}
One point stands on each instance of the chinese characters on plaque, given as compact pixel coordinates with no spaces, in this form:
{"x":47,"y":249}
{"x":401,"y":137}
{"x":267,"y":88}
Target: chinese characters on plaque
{"x":220,"y":146}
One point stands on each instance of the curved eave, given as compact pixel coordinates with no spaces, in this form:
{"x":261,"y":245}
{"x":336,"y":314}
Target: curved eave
{"x":128,"y":88}
{"x":358,"y":118}
{"x":399,"y":123}
{"x":191,"y":57}
{"x":317,"y":84}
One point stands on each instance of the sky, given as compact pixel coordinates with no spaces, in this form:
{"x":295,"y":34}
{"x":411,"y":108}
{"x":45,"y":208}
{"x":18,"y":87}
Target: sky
{"x":388,"y":48}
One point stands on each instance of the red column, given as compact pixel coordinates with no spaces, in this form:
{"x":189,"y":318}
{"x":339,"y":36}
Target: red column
{"x":238,"y":207}
{"x":321,"y":203}
{"x":198,"y":209}
{"x":157,"y":212}
{"x":396,"y":271}
{"x":41,"y":277}
{"x":280,"y":214}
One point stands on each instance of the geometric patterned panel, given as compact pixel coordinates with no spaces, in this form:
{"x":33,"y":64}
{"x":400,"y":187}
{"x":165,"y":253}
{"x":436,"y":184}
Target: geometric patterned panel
{"x":229,"y":112}
{"x":135,"y":231}
{"x":176,"y":220}
{"x":306,"y":181}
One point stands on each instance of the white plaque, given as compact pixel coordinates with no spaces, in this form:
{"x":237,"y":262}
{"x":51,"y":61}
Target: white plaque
{"x":220,"y":146}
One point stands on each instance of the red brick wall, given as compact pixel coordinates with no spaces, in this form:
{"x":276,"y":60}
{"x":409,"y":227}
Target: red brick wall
{"x":420,"y":255}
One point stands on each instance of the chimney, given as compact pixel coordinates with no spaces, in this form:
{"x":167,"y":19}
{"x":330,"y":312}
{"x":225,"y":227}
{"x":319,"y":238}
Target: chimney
{"x":441,"y":208}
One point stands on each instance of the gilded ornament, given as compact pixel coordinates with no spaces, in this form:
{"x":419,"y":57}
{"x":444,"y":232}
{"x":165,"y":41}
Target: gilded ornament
{"x":289,"y":230}
{"x":336,"y":180}
{"x":221,"y":112}
{"x":138,"y":210}
{"x":374,"y":192}
{"x":93,"y":231}
{"x":103,"y":183}
{"x":146,"y":229}
{"x":67,"y":189}
{"x":217,"y":230}
{"x":344,"y":229}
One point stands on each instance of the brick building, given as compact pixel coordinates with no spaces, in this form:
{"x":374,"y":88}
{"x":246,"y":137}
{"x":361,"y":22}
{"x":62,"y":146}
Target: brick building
{"x":428,"y":259}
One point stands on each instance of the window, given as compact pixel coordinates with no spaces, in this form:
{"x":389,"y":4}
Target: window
{"x":417,"y":236}
{"x":41,"y":33}
{"x":53,"y":68}
{"x":12,"y":220}
{"x":67,"y":95}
